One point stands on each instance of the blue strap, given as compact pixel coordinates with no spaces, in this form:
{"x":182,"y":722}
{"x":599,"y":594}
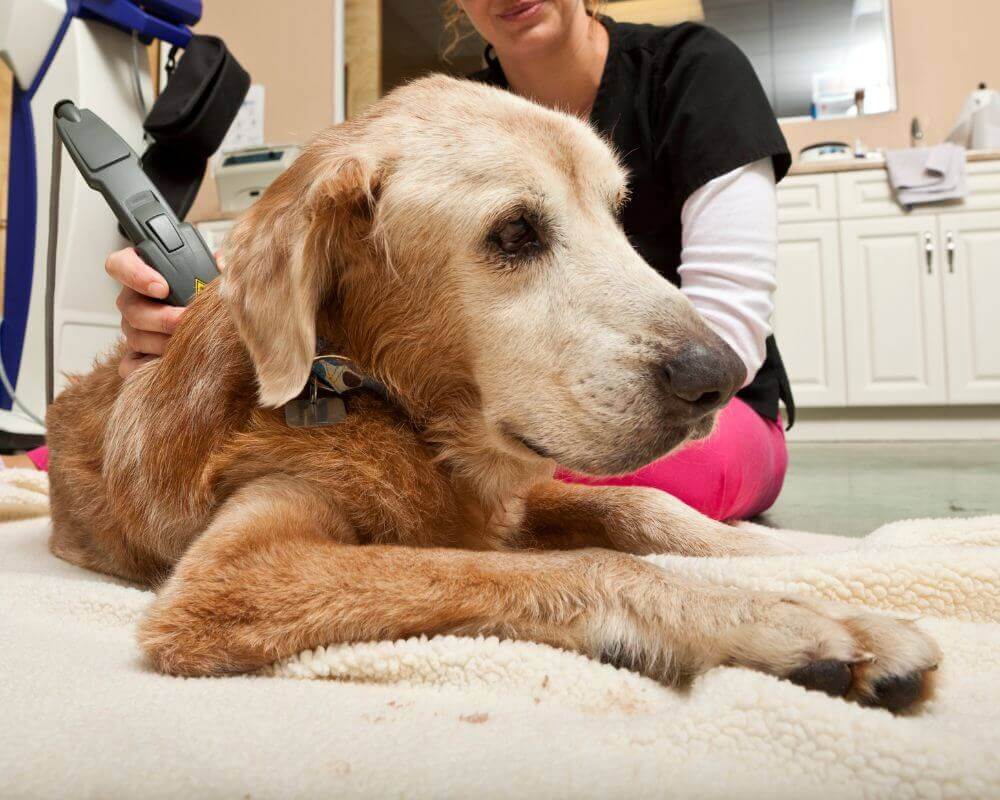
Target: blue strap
{"x":20,"y":261}
{"x":127,"y":16}
{"x":22,"y":191}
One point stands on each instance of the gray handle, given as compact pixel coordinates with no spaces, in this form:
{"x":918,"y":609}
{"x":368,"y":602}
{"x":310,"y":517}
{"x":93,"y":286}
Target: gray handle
{"x":173,"y":248}
{"x":950,"y":247}
{"x":929,"y":252}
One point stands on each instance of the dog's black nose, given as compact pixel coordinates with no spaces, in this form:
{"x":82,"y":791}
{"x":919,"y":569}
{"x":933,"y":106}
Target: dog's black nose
{"x":706,"y":377}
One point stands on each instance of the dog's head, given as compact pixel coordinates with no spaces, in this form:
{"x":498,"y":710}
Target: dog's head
{"x":463,"y":244}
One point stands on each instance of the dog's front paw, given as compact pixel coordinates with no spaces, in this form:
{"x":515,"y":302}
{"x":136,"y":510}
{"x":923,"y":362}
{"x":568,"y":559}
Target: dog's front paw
{"x":846,"y":652}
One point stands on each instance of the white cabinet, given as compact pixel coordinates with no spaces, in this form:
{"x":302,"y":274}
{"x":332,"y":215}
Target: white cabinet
{"x":807,"y":198}
{"x":970,"y":247}
{"x":807,"y":317}
{"x":893,"y":312}
{"x":888,"y":320}
{"x":879,"y":307}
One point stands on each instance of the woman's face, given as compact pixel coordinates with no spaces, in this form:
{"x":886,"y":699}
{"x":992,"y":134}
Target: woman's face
{"x":523,"y":27}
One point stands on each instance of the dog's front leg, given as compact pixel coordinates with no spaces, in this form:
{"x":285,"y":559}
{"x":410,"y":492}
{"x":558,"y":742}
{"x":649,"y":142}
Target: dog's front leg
{"x":276,"y":573}
{"x":633,"y":520}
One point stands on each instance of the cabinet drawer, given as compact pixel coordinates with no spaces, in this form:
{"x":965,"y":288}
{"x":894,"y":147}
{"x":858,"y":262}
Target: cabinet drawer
{"x":868,"y":194}
{"x":984,"y":186}
{"x":807,"y":198}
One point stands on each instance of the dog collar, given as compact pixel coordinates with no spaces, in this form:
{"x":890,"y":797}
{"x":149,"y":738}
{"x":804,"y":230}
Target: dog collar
{"x":331,"y":379}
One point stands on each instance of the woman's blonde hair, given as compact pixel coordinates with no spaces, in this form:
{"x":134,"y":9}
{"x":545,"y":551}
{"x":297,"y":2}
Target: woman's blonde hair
{"x":457,"y":27}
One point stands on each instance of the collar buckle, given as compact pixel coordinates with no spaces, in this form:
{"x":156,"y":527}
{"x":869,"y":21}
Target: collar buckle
{"x":321,"y":402}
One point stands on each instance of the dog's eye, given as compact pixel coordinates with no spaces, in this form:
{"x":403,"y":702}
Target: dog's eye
{"x":516,"y":236}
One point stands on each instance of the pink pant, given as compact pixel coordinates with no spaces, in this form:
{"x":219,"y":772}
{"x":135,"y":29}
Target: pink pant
{"x":736,"y":473}
{"x":39,"y":457}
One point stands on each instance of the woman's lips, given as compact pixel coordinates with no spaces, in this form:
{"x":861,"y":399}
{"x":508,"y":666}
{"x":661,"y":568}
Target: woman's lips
{"x":521,"y":11}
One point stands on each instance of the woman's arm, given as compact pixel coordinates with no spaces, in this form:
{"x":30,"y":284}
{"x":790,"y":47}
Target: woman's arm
{"x":729,"y":241}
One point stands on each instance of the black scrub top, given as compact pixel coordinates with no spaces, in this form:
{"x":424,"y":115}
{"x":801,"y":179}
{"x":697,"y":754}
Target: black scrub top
{"x":682,"y":105}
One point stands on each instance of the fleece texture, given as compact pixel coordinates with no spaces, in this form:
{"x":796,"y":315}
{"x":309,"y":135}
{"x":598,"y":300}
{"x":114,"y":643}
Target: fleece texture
{"x":81,"y":714}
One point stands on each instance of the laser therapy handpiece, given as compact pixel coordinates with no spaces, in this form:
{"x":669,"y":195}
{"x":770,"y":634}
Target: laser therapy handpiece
{"x":173,"y":248}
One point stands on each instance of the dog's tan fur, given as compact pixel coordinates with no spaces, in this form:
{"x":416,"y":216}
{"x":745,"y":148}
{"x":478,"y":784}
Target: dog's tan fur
{"x":435,"y":512}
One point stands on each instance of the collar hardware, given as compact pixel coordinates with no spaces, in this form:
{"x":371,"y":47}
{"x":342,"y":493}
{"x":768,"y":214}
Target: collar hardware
{"x":321,"y":402}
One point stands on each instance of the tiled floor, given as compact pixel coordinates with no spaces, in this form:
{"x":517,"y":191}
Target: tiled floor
{"x":852,"y":488}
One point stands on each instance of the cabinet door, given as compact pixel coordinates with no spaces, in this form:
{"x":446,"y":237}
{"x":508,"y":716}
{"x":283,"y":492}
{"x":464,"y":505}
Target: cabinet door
{"x":893,"y":321}
{"x":807,"y":321}
{"x":971,"y":276}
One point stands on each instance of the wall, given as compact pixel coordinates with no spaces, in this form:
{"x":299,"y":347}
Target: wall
{"x":943,"y":49}
{"x":290,"y":51}
{"x":362,"y":53}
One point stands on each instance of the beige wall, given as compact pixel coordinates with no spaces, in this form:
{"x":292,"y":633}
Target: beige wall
{"x":943,"y":49}
{"x":288,"y":50}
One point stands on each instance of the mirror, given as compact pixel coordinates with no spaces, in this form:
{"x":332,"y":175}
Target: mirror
{"x":816,"y":58}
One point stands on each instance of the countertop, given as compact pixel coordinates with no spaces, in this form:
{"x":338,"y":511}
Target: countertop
{"x":855,"y":164}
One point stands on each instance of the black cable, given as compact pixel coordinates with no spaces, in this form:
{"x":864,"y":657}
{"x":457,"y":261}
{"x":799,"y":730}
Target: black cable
{"x":50,"y":269}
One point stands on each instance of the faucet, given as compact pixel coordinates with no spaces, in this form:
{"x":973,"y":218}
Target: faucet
{"x":916,"y":132}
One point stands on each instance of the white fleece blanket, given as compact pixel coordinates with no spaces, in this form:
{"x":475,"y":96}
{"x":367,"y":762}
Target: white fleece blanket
{"x":82,"y":716}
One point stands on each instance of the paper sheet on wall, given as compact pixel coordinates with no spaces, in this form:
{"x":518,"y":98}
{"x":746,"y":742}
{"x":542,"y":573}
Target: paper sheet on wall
{"x":247,"y":129}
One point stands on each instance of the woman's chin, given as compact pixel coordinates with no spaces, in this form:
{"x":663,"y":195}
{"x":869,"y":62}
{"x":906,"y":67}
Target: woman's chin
{"x":533,"y":37}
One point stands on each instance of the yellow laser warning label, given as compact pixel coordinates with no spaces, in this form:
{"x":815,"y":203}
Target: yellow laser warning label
{"x":199,"y":284}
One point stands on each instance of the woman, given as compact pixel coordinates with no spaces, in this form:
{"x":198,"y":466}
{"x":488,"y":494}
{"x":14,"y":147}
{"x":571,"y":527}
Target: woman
{"x":686,"y":112}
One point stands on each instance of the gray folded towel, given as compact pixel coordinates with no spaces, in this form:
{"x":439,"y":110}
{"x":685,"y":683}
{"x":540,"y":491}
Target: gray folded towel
{"x":927,"y":174}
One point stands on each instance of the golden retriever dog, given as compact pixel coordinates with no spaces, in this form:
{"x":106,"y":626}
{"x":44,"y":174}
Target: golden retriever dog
{"x":460,"y":245}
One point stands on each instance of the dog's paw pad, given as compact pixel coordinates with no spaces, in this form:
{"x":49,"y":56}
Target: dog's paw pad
{"x":897,"y":693}
{"x":829,"y":676}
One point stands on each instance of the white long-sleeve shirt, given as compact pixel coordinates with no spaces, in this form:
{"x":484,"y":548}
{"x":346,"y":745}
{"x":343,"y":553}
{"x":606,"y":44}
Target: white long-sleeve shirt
{"x":729,"y":238}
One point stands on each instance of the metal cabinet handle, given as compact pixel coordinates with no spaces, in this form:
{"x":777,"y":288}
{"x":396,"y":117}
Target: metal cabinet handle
{"x":951,"y":251}
{"x":929,"y":252}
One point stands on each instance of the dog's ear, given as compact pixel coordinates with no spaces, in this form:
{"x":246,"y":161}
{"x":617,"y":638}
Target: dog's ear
{"x":281,"y":260}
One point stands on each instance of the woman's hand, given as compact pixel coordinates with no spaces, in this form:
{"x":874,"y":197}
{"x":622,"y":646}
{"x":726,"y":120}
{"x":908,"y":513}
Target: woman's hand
{"x":146,"y":323}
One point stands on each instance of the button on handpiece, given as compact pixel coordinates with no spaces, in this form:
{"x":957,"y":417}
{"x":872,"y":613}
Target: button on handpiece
{"x":165,"y":231}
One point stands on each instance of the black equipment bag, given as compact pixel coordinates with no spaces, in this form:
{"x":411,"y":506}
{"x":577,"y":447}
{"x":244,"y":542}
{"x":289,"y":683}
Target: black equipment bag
{"x":190,"y":118}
